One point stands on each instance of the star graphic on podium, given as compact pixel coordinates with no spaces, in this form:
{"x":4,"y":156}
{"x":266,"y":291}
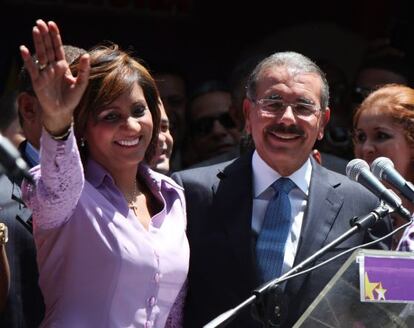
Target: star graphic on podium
{"x":381,"y":292}
{"x":369,"y":288}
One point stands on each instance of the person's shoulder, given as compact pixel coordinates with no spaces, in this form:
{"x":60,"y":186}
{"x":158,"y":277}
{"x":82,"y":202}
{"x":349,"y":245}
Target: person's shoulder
{"x":331,"y":174}
{"x":12,"y":209}
{"x":160,"y":178}
{"x":344,"y":184}
{"x":9,"y":190}
{"x":6,"y":189}
{"x":334,"y":163}
{"x":5,"y":181}
{"x":203,"y":173}
{"x":225,"y":157}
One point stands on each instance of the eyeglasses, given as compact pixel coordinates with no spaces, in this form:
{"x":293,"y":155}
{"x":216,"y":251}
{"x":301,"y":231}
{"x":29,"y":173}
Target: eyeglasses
{"x":204,"y":126}
{"x":276,"y":107}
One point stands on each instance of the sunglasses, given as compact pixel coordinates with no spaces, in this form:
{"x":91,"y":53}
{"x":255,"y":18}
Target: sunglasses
{"x":204,"y":126}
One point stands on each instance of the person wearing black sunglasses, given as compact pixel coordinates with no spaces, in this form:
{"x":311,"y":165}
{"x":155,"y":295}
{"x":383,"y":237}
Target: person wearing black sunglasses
{"x":213,"y":132}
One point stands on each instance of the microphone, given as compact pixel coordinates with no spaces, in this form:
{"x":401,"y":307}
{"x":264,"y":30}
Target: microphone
{"x":11,"y":161}
{"x":358,"y":170}
{"x":383,"y":168}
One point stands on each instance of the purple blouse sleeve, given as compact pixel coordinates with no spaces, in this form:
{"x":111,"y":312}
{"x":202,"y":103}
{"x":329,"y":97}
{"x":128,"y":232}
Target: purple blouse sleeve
{"x":59,"y":182}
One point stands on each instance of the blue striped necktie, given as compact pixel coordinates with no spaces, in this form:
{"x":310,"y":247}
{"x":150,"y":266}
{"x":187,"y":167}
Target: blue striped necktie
{"x":271,"y":242}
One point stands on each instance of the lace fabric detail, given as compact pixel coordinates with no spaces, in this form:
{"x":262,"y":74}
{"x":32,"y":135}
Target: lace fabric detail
{"x":175,"y":317}
{"x":59,"y":183}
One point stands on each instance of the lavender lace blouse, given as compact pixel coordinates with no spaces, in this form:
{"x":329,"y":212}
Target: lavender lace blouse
{"x":98,"y":266}
{"x":406,"y":243}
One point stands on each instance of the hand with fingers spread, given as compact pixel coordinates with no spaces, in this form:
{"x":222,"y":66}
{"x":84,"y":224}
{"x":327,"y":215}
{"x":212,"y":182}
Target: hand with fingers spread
{"x":58,"y":91}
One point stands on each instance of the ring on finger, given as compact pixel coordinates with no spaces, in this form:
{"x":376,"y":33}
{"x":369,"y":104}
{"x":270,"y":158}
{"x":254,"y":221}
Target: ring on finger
{"x":40,"y":66}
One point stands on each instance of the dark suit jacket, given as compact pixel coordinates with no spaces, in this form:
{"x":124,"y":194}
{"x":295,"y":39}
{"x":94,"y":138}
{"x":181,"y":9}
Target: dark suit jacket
{"x":329,"y":161}
{"x":24,"y":306}
{"x":222,"y":265}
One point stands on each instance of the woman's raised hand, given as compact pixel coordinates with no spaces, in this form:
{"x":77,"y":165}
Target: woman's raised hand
{"x":57,"y":90}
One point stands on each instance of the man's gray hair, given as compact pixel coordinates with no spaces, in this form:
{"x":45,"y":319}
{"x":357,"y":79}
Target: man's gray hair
{"x":296,"y":64}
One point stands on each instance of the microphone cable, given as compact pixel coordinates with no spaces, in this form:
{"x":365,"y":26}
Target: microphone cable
{"x":346,"y":252}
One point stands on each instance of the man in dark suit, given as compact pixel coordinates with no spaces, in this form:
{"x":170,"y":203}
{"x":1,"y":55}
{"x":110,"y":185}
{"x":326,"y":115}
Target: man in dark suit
{"x":286,"y":110}
{"x":24,"y":305}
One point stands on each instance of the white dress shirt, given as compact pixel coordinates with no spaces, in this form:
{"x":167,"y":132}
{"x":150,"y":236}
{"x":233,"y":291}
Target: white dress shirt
{"x":263,"y":178}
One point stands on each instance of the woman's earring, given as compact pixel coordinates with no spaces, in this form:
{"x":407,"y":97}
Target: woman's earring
{"x":82,"y":142}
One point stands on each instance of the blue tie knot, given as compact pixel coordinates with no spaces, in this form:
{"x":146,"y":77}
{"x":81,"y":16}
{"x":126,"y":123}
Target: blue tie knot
{"x":283,"y":184}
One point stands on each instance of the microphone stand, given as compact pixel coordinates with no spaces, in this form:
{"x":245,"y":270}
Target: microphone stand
{"x":272,"y":314}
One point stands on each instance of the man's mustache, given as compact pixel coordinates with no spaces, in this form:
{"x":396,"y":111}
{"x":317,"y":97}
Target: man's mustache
{"x":281,"y":128}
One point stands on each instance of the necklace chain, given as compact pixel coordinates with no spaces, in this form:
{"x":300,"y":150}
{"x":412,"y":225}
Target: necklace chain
{"x":131,"y":198}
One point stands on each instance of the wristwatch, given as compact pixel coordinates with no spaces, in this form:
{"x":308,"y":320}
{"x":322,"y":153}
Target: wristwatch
{"x":4,"y":237}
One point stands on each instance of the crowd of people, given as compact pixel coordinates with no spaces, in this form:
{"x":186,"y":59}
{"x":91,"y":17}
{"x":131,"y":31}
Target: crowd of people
{"x":153,"y":206}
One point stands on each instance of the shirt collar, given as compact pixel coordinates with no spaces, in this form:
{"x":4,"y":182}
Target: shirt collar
{"x":264,"y":175}
{"x":96,"y":174}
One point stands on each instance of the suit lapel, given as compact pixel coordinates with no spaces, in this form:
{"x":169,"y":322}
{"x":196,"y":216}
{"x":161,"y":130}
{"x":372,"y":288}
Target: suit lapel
{"x":233,"y":210}
{"x":233,"y":206}
{"x":324,"y":204}
{"x":23,"y":215}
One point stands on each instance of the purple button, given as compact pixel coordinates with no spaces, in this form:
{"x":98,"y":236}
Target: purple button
{"x":157,"y":277}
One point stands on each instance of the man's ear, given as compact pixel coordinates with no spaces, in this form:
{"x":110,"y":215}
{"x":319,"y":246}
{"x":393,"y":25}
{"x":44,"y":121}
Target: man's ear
{"x":247,"y":108}
{"x":326,"y":115}
{"x":317,"y":156}
{"x":27,"y":106}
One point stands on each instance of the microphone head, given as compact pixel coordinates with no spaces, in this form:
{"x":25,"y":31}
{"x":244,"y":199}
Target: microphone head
{"x":354,"y":168}
{"x":379,"y":165}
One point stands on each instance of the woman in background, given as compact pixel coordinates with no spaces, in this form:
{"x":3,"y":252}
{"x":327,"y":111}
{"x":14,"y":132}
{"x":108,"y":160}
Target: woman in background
{"x":161,"y":160}
{"x":384,"y":126}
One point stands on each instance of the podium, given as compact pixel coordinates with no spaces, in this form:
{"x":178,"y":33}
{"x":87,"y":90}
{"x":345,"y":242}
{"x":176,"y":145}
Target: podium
{"x":372,"y":289}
